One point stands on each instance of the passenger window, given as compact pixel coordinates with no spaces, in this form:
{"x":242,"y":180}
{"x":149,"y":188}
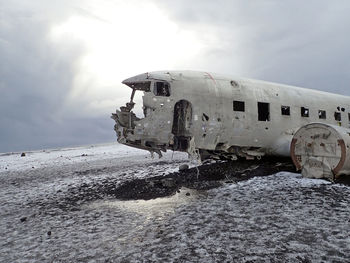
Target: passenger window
{"x":238,"y":106}
{"x":349,"y":117}
{"x":322,"y":114}
{"x":304,"y":112}
{"x":285,"y":110}
{"x":263,"y":111}
{"x":337,"y":116}
{"x":161,"y":89}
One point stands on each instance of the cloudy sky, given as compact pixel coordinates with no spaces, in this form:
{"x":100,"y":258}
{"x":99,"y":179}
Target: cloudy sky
{"x":62,"y":61}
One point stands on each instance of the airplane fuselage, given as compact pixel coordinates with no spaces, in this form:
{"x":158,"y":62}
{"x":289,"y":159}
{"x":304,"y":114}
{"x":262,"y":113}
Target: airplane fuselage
{"x":218,"y":116}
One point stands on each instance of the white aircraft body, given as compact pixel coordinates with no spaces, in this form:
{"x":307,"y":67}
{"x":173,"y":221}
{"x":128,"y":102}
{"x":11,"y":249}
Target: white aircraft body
{"x":214,"y":116}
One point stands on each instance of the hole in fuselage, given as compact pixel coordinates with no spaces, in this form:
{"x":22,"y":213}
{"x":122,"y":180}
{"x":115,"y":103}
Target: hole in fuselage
{"x":205,"y":117}
{"x":138,"y":107}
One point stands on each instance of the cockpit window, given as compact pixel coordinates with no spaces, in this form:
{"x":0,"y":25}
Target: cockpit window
{"x":144,"y":86}
{"x":162,"y":89}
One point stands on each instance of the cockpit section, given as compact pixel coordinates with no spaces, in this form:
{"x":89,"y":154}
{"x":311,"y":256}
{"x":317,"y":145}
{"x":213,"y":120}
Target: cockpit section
{"x":140,"y":132}
{"x":136,"y":86}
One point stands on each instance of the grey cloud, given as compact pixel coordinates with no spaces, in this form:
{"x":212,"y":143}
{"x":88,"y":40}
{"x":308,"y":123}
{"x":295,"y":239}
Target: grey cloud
{"x":302,"y":43}
{"x":35,"y":79}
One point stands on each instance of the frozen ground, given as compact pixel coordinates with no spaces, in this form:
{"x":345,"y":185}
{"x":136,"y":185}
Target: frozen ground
{"x":55,"y":208}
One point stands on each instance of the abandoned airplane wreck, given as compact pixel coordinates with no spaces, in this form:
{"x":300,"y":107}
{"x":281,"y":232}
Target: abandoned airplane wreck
{"x":210,"y":116}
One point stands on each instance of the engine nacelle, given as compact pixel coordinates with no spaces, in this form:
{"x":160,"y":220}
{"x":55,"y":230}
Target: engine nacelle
{"x":321,"y":150}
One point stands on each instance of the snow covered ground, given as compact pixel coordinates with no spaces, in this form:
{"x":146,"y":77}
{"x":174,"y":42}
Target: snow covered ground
{"x":65,"y":156}
{"x":276,"y":218}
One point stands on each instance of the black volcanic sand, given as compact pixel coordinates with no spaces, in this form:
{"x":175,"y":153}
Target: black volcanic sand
{"x":72,"y":213}
{"x":203,"y":177}
{"x":344,"y":179}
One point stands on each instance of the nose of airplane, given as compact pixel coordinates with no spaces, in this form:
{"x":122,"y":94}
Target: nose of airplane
{"x":137,"y":78}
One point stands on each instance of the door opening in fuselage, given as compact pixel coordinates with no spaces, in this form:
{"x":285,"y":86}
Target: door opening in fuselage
{"x":181,"y":125}
{"x":263,"y":111}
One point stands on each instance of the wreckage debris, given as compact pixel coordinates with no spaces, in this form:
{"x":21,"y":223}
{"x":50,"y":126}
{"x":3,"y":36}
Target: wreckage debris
{"x":213,"y":117}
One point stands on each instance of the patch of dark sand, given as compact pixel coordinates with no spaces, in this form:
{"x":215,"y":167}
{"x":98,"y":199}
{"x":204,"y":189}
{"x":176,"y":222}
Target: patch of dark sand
{"x":203,"y":177}
{"x":344,"y":179}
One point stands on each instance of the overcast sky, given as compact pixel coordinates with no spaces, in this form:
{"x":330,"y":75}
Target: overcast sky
{"x":61,"y":62}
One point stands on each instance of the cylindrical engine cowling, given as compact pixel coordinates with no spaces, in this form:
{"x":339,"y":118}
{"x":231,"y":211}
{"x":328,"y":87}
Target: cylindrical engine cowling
{"x":321,"y":150}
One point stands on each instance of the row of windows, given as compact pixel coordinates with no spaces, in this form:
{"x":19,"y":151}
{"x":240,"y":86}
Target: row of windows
{"x":264,"y":111}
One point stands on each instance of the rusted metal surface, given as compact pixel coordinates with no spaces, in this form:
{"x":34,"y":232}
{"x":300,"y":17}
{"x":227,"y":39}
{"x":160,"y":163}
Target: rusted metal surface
{"x":337,"y":170}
